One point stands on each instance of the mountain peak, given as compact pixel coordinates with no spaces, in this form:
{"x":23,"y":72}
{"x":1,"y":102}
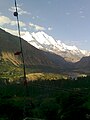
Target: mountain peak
{"x":45,"y":42}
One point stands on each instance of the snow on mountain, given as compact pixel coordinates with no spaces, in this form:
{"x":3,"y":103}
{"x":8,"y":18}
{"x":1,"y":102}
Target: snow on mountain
{"x":42,"y":41}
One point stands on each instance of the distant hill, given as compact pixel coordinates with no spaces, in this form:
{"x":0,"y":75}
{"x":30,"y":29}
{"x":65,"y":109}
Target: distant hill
{"x":83,"y":65}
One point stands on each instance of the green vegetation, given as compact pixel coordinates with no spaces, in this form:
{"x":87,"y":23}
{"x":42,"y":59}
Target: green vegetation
{"x":48,"y":96}
{"x":45,"y":100}
{"x":9,"y":70}
{"x":46,"y":76}
{"x":12,"y":72}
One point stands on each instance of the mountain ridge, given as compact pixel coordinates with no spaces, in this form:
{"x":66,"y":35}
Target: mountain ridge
{"x":36,"y":60}
{"x":42,"y":41}
{"x":32,"y":56}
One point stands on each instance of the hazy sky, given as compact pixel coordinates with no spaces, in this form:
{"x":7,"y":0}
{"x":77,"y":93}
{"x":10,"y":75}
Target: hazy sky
{"x":65,"y":20}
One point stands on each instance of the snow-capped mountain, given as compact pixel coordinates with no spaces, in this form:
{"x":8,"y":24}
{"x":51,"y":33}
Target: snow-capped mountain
{"x":45,"y":42}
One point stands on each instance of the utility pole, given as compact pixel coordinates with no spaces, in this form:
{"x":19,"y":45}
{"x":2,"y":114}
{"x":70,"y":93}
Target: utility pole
{"x":21,"y":49}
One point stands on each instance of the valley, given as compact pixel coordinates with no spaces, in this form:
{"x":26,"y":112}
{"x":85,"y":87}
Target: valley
{"x":44,"y":60}
{"x":54,"y":86}
{"x":36,"y":60}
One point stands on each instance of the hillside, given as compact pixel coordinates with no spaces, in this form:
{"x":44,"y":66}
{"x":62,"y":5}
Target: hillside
{"x":35,"y":59}
{"x":9,"y":44}
{"x":83,"y":65}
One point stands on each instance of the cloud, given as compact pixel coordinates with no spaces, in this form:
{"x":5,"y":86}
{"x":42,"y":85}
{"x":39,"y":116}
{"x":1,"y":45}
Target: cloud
{"x":67,"y":13}
{"x":35,"y":17}
{"x":82,"y":16}
{"x":49,"y":2}
{"x":81,"y":12}
{"x":74,"y":42}
{"x":14,"y":32}
{"x":50,"y":28}
{"x":20,"y":11}
{"x":25,"y":29}
{"x":6,"y":20}
{"x":36,"y":27}
{"x":22,"y":24}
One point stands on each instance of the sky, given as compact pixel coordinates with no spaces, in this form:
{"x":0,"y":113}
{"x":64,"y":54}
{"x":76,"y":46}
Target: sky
{"x":64,"y":20}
